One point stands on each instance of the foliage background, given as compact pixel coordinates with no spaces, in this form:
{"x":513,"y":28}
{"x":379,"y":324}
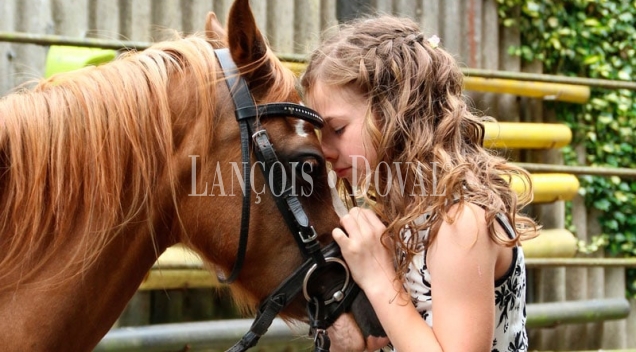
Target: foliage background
{"x":596,"y":39}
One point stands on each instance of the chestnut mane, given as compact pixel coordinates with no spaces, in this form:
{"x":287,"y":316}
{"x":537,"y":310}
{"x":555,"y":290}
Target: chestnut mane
{"x":80,"y":153}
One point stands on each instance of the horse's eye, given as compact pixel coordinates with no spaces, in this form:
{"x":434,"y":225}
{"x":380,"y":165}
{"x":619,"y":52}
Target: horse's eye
{"x":309,"y":165}
{"x":310,"y":173}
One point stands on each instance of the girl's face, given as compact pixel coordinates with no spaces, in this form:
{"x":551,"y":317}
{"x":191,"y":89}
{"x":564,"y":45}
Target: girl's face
{"x":344,"y":141}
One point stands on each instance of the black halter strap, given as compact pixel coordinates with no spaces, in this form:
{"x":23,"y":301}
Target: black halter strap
{"x":322,"y":311}
{"x":240,"y":93}
{"x":248,"y":115}
{"x":320,"y":318}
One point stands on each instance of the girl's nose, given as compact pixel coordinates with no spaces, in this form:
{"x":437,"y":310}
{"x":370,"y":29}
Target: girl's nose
{"x":329,"y":151}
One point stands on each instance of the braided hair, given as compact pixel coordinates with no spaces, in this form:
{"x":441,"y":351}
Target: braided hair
{"x":429,"y":145}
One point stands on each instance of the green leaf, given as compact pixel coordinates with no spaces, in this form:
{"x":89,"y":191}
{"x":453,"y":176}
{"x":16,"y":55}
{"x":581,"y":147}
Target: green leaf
{"x":626,"y":17}
{"x":624,"y":75}
{"x":509,"y":22}
{"x":620,"y":217}
{"x":599,"y":103}
{"x":620,"y":196}
{"x":592,"y":59}
{"x":591,"y":22}
{"x":605,"y":119}
{"x":602,"y":204}
{"x":556,"y":43}
{"x":608,"y":148}
{"x":627,"y":148}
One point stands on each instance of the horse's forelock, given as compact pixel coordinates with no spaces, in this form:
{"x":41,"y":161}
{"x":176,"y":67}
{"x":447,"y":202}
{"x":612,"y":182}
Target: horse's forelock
{"x":80,"y":142}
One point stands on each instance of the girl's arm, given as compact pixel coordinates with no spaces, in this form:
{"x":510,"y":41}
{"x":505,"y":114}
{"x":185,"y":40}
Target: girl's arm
{"x":461,"y":262}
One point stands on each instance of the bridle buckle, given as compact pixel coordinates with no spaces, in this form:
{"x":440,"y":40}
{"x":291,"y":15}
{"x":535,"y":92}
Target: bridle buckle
{"x":259,"y":133}
{"x":311,"y":237}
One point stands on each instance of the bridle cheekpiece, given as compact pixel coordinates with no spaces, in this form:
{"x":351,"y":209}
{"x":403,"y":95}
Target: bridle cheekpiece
{"x":322,"y":310}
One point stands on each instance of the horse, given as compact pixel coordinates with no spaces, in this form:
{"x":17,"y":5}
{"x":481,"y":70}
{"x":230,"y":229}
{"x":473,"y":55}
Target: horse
{"x":103,"y":168}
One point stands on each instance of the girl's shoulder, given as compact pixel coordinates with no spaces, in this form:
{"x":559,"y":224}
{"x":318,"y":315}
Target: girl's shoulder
{"x":465,"y":224}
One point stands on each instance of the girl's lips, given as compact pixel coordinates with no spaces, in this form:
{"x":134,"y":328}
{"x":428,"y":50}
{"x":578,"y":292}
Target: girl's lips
{"x":342,"y":173}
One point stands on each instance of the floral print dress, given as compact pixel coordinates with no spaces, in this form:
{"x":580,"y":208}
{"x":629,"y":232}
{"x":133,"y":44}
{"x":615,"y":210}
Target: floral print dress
{"x":510,"y":295}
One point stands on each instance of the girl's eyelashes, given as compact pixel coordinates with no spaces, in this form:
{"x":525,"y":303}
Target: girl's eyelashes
{"x":338,"y":131}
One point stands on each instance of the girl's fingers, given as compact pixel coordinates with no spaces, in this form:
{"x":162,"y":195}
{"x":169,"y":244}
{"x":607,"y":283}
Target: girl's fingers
{"x":339,"y":236}
{"x":338,"y":232}
{"x":373,"y":218}
{"x":367,"y":221}
{"x":350,"y":224}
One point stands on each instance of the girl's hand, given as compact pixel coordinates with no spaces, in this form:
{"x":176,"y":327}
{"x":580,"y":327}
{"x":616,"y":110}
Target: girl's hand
{"x":371,"y":263}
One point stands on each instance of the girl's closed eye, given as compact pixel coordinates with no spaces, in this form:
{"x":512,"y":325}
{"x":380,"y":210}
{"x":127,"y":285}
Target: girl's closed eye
{"x":339,"y":131}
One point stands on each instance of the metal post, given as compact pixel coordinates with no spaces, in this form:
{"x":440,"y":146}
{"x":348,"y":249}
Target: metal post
{"x":544,"y":315}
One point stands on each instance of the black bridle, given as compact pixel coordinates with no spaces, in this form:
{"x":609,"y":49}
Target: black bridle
{"x":323,"y":307}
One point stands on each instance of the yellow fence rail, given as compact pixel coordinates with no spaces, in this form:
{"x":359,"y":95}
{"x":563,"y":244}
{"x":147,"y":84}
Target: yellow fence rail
{"x":542,"y":90}
{"x":528,"y":135}
{"x":548,"y":188}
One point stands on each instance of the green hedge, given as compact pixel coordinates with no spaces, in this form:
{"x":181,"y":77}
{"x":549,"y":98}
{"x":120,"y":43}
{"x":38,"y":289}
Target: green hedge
{"x":596,"y":39}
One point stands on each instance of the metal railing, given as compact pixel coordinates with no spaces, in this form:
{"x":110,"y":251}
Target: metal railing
{"x":222,"y":334}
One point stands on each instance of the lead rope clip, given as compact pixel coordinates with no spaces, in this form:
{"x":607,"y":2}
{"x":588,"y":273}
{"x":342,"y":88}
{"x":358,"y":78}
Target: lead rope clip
{"x":321,"y":341}
{"x":317,"y":325}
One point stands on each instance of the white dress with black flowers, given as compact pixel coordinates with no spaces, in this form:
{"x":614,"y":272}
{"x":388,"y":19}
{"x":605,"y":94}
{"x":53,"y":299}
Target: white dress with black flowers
{"x":510,"y":296}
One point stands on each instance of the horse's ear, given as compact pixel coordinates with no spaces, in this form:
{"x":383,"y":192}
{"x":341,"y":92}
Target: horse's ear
{"x":246,"y":42}
{"x":213,"y":28}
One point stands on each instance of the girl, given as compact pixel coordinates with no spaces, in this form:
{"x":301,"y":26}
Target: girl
{"x":438,"y":252}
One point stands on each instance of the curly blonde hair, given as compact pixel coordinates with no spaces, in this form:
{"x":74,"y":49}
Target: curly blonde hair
{"x":423,"y":132}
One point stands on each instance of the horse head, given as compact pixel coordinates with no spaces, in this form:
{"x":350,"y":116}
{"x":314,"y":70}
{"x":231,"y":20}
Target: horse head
{"x":272,"y":253}
{"x":210,"y":208}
